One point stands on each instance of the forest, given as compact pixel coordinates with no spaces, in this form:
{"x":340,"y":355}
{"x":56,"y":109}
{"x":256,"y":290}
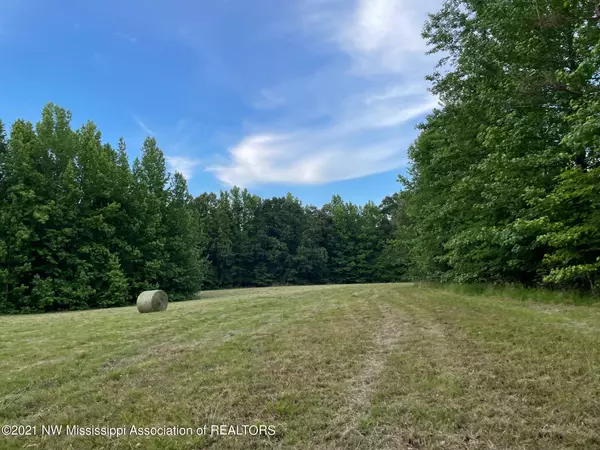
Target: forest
{"x":503,"y":187}
{"x":81,"y":227}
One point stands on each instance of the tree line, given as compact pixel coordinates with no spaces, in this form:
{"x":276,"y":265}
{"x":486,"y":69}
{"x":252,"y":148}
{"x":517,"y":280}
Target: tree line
{"x":264,"y":242}
{"x":81,"y":227}
{"x":504,"y":185}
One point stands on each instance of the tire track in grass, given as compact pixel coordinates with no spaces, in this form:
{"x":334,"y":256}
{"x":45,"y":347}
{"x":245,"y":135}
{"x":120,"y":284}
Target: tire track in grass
{"x":480,"y":374}
{"x":415,"y":388}
{"x":363,"y":385}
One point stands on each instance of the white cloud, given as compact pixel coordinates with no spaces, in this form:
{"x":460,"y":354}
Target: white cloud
{"x":384,"y":115}
{"x":365,"y":110}
{"x":178,"y":143}
{"x":354,"y":147}
{"x":384,"y":36}
{"x":269,"y":100}
{"x":184,"y":165}
{"x":394,"y":92}
{"x":281,"y":159}
{"x":143,"y":126}
{"x":127,"y":37}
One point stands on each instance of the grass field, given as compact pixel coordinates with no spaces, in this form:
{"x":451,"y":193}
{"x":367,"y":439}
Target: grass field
{"x":379,"y":366}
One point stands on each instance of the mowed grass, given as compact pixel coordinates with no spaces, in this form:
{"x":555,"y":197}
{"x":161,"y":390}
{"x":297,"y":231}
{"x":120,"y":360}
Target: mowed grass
{"x":369,"y":366}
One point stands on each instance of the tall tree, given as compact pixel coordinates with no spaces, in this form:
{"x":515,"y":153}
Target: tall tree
{"x":486,"y":162}
{"x":150,"y":197}
{"x":184,"y":265}
{"x":78,"y":229}
{"x":570,"y":214}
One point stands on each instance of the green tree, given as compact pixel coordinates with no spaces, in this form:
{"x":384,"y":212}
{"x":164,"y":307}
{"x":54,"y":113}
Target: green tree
{"x":79,"y":229}
{"x":184,"y":266}
{"x":570,"y":214}
{"x":491,"y":154}
{"x":150,"y":197}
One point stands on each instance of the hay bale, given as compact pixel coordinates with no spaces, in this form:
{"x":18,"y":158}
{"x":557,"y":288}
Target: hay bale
{"x":152,"y":301}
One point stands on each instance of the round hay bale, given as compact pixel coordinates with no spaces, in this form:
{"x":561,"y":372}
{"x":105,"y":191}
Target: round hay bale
{"x":152,"y":301}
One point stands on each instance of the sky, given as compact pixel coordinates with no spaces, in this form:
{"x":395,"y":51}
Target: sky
{"x":313,"y":97}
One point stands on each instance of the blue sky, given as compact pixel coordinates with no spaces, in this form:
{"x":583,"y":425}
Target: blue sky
{"x":313,"y":97}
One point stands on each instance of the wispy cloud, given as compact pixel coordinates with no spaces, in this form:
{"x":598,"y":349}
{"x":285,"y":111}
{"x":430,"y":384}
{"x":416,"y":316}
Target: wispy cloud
{"x":269,"y":100}
{"x":127,"y":37}
{"x":279,"y":159}
{"x":396,"y":92}
{"x":367,"y":108}
{"x":178,"y":142}
{"x":384,"y":36}
{"x":143,"y":126}
{"x":356,"y":146}
{"x":182,"y":164}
